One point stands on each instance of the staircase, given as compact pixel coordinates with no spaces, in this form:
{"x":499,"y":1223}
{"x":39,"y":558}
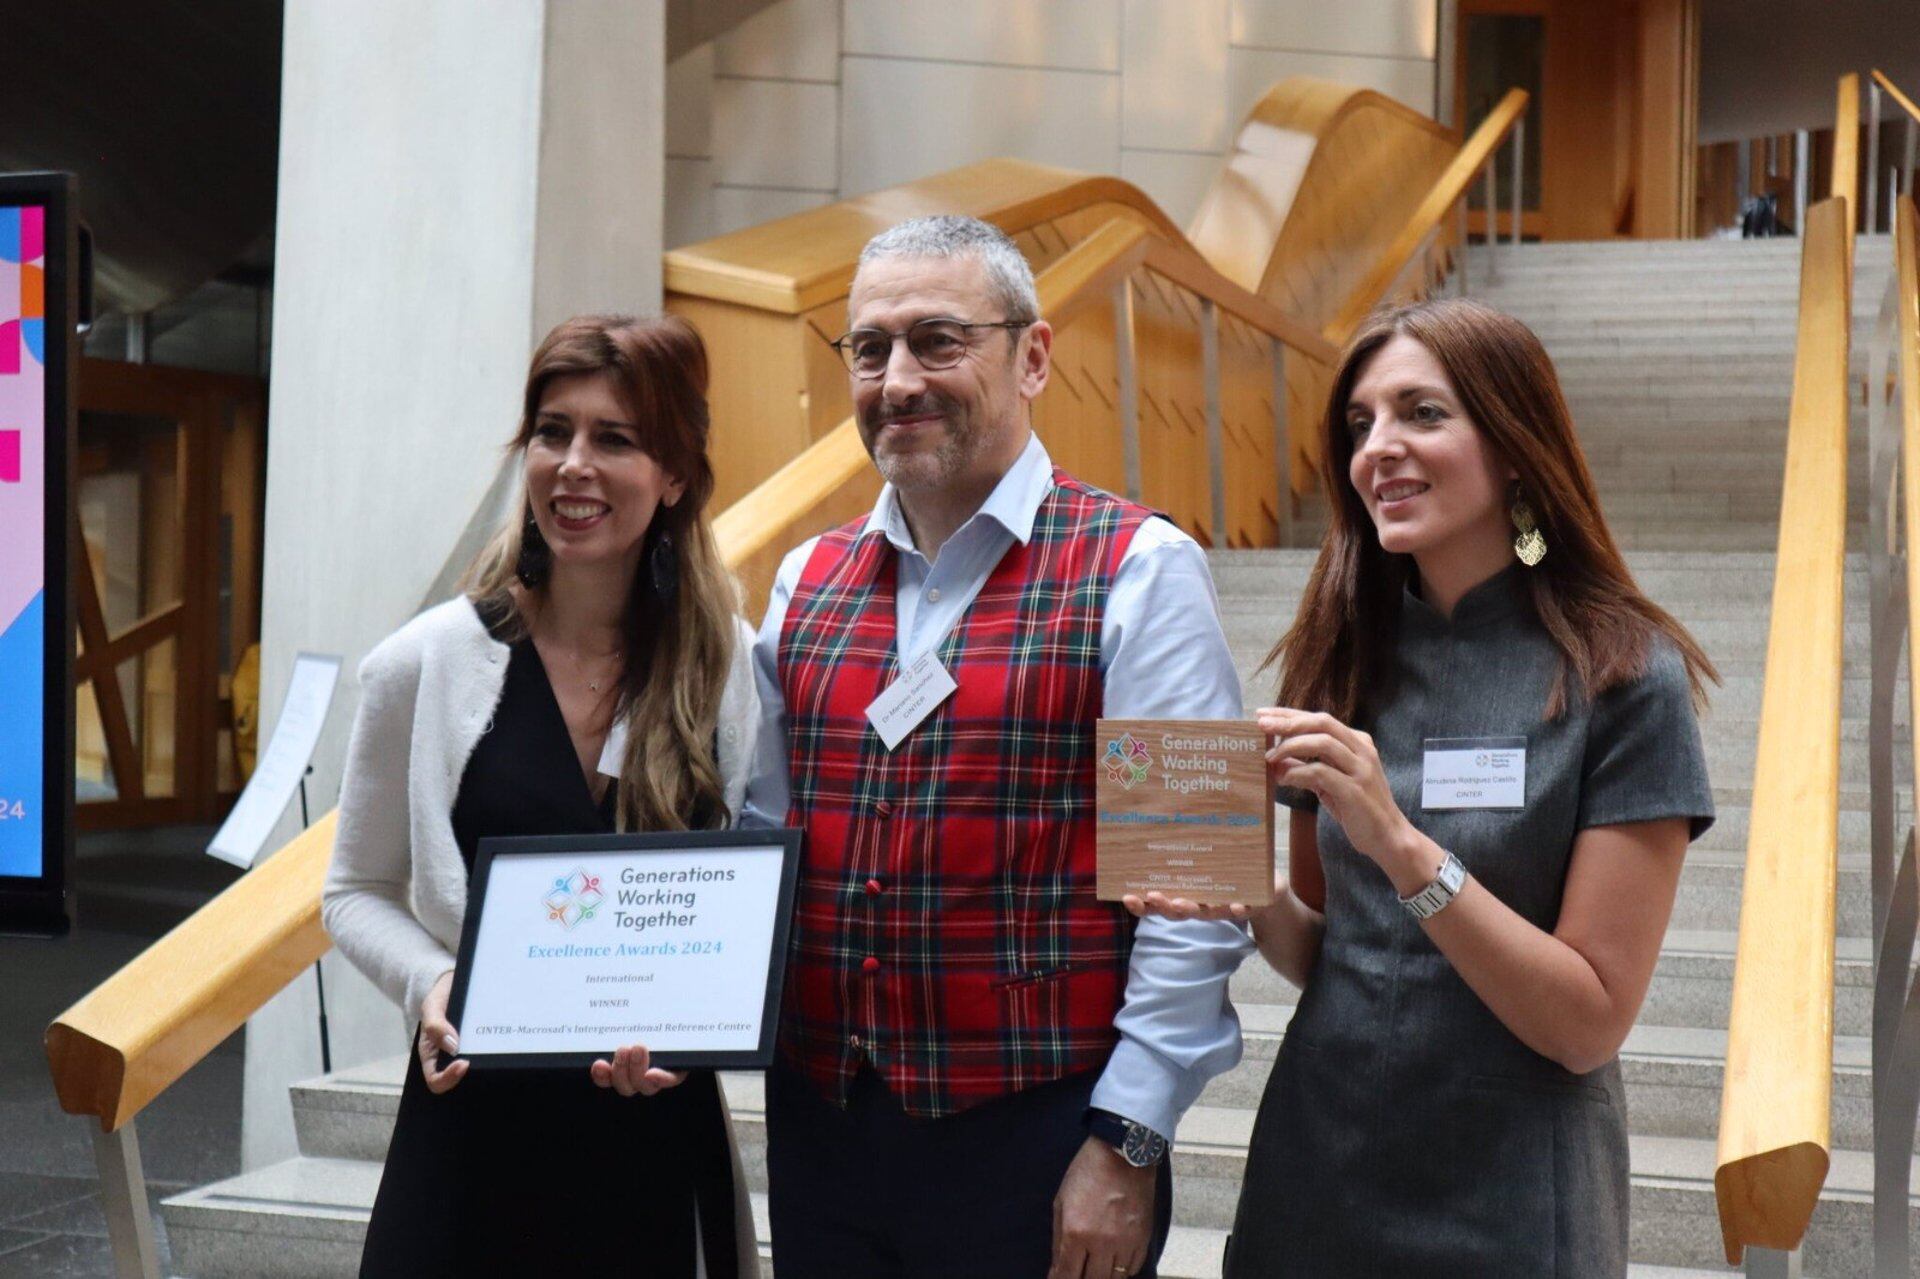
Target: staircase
{"x":1677,"y":358}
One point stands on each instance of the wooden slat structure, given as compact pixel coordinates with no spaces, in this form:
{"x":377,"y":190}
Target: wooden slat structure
{"x":1774,"y":1111}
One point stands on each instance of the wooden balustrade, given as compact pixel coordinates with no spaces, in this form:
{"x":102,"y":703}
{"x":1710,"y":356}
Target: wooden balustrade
{"x":1774,"y":1111}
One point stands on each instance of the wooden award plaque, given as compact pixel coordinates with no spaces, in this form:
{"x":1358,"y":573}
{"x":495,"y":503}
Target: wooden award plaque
{"x":1184,"y":808}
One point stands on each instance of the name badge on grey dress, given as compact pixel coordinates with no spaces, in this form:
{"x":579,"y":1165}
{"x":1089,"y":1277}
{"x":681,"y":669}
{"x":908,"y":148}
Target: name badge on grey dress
{"x":1474,"y":772}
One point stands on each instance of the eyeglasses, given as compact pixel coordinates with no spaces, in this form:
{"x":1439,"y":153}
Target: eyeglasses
{"x":937,"y":343}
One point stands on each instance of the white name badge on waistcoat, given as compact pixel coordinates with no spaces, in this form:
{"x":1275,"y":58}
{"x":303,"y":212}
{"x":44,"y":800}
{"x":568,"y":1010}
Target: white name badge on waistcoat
{"x":1474,"y":772}
{"x":910,"y":698}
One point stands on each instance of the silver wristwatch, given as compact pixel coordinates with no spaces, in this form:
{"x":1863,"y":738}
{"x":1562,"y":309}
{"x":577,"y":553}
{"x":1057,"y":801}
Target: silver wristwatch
{"x":1431,"y":899}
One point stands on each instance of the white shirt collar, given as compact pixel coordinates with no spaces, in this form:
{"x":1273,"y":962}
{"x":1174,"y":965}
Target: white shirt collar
{"x":1013,"y":504}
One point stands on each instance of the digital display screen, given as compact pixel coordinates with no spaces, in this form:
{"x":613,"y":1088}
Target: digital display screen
{"x":24,"y":691}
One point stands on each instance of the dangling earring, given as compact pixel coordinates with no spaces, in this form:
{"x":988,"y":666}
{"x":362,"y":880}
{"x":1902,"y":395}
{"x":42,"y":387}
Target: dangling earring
{"x":1528,"y":546}
{"x":663,"y":566}
{"x":536,"y":557}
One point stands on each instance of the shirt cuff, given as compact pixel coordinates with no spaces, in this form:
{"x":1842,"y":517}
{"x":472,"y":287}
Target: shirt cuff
{"x":1141,"y":1085}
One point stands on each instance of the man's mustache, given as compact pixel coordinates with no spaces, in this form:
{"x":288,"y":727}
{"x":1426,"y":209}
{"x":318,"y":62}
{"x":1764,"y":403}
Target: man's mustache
{"x":919,"y":406}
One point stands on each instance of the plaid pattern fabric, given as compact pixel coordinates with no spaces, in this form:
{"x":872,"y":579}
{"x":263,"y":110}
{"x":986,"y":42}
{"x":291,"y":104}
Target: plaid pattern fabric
{"x":945,"y":927}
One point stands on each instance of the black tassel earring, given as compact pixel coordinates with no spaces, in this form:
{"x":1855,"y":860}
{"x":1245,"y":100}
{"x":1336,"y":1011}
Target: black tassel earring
{"x":536,"y":557}
{"x":663,"y":566}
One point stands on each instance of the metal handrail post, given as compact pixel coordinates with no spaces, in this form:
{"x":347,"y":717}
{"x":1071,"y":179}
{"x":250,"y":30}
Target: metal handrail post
{"x":1802,"y":162}
{"x":1216,"y":441}
{"x":1519,"y":168}
{"x":1282,"y":446}
{"x":1493,"y":225}
{"x":123,"y":1194}
{"x":1771,"y":1263}
{"x":1906,"y":164}
{"x":1873,"y":156}
{"x":1129,"y":389}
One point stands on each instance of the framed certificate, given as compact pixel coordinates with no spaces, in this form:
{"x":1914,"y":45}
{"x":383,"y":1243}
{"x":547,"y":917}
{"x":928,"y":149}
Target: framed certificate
{"x":575,"y":945}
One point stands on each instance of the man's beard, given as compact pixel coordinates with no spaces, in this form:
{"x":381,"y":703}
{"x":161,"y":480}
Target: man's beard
{"x":920,"y":468}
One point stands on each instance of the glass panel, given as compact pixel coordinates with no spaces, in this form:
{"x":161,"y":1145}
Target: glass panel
{"x":1505,"y":51}
{"x":159,"y":711}
{"x":92,"y":771}
{"x":128,"y":498}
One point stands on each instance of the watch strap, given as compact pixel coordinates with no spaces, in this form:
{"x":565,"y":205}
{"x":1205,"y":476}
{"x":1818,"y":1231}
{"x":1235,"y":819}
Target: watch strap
{"x":1136,"y":1143}
{"x":1446,"y":885}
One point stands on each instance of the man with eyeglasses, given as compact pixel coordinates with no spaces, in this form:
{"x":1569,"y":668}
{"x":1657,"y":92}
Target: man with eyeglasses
{"x":980,"y":1065}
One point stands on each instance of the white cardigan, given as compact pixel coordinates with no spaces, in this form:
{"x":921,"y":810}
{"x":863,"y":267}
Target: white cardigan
{"x":396,"y":891}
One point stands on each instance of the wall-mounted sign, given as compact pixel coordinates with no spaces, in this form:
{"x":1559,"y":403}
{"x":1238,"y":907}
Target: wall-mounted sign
{"x":37,"y":301}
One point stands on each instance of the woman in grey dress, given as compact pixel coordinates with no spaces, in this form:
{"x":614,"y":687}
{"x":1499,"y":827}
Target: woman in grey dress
{"x":1487,"y":737}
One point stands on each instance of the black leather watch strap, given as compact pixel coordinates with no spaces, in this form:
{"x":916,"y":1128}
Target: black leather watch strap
{"x":1136,"y":1143}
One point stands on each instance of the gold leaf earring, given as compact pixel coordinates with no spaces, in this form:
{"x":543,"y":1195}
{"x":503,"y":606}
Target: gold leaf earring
{"x":1528,"y":546}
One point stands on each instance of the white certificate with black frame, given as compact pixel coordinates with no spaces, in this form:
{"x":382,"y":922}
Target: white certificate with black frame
{"x":575,"y":945}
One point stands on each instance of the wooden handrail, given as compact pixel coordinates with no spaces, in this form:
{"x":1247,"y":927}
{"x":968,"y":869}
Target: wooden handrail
{"x":820,"y":248}
{"x":1892,"y":90}
{"x":1447,"y":190}
{"x":1846,"y":141}
{"x":1079,"y":278}
{"x":142,"y":1028}
{"x":1774,"y":1107}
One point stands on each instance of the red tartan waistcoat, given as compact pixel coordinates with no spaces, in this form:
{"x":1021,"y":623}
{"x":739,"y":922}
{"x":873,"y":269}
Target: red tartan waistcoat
{"x":945,"y":926}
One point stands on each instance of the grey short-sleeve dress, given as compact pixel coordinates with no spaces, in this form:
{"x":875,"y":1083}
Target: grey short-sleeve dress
{"x":1404,"y":1129}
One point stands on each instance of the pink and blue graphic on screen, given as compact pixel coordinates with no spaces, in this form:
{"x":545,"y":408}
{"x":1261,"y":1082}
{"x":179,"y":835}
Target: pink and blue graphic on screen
{"x":23,"y":355}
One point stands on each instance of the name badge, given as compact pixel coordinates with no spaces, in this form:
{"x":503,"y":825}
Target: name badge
{"x":910,"y":698}
{"x":1474,"y":772}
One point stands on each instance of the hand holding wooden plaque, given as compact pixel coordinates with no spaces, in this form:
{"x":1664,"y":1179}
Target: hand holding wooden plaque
{"x":1184,"y":808}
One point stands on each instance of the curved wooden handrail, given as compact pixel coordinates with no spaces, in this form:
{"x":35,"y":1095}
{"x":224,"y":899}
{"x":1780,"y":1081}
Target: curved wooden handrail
{"x":800,"y":262}
{"x":1253,"y":210}
{"x":1774,"y":1108}
{"x":142,"y":1028}
{"x":1892,"y":90}
{"x":1446,"y":192}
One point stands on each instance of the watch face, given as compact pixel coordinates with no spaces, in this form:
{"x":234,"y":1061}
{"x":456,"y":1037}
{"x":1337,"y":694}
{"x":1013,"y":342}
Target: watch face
{"x":1143,"y":1147}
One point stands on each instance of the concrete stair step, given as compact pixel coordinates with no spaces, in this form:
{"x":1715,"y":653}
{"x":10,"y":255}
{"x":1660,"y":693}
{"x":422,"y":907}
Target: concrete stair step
{"x":243,"y":1237}
{"x":305,"y":1218}
{"x":1673,"y":1076}
{"x":1692,"y":983}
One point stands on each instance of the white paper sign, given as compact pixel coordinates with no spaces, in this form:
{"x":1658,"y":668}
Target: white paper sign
{"x":587,"y":952}
{"x":1474,"y":772}
{"x":910,"y":698}
{"x":279,"y":768}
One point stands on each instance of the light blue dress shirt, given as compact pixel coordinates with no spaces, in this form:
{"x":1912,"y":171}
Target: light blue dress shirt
{"x":1162,"y":655}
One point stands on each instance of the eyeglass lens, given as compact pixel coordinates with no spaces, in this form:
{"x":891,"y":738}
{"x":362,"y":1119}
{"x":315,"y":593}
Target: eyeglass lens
{"x":937,"y":344}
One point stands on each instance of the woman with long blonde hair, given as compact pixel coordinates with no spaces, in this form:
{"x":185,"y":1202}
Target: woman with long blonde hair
{"x":602,"y":603}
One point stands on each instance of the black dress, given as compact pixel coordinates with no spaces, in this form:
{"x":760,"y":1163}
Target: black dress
{"x":538,"y":1171}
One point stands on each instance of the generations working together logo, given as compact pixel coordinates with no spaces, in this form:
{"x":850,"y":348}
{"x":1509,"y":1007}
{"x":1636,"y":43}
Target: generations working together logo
{"x":573,"y":898}
{"x":1127,"y":761}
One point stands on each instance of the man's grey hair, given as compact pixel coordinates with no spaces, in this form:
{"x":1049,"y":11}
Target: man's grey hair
{"x":947,"y":235}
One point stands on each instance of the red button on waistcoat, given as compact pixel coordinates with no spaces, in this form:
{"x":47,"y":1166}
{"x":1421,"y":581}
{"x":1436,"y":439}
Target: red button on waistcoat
{"x":882,"y":808}
{"x":870,"y":964}
{"x":873,"y":888}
